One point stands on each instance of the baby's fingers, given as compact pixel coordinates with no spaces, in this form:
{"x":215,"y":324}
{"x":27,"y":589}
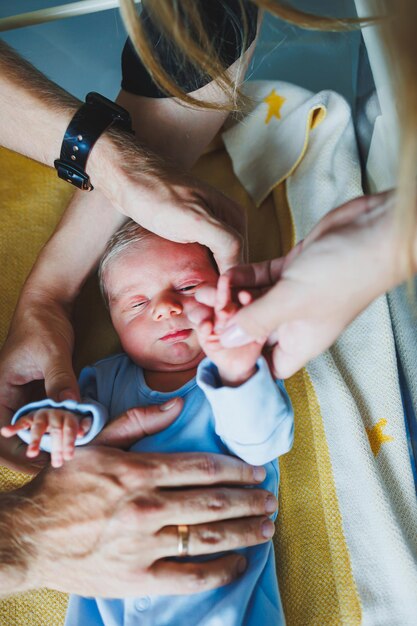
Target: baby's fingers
{"x":57,"y":425}
{"x":38,"y":429}
{"x":23,"y":423}
{"x":84,"y":426}
{"x":205,"y":330}
{"x":223,"y":294}
{"x":245,"y":298}
{"x":225,"y":307}
{"x":64,"y":443}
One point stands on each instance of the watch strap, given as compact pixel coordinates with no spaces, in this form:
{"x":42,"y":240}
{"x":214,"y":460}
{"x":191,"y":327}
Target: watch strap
{"x":88,"y":123}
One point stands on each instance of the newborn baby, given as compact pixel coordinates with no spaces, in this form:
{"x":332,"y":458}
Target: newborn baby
{"x":231,"y":405}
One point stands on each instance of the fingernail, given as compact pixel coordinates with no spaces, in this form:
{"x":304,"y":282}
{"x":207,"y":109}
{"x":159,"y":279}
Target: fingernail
{"x":267,"y":528}
{"x":67,"y":394}
{"x":241,"y":566}
{"x":168,"y":405}
{"x":270,"y":504}
{"x":234,"y":336}
{"x":259,"y":473}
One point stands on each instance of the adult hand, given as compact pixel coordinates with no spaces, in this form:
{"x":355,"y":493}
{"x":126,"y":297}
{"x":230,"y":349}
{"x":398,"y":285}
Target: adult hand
{"x":349,"y":259}
{"x":117,"y":513}
{"x":38,"y":348}
{"x":167,"y":201}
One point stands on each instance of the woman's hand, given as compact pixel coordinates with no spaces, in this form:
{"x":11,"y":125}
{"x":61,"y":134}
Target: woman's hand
{"x":118,"y":513}
{"x":350,"y":258}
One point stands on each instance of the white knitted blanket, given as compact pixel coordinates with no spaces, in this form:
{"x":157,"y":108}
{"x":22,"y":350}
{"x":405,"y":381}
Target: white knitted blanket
{"x":308,"y":139}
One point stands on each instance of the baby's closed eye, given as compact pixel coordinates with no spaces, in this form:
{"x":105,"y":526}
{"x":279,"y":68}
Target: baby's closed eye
{"x":138,"y":305}
{"x":189,"y":288}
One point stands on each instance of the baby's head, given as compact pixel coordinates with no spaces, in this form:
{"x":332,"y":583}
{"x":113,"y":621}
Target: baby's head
{"x":149,"y":283}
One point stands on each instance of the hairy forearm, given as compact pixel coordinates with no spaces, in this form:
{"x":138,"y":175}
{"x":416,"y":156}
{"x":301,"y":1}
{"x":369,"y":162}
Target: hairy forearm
{"x":35,"y":115}
{"x":176,"y":133}
{"x":74,"y":249}
{"x":35,"y":111}
{"x":15,"y":552}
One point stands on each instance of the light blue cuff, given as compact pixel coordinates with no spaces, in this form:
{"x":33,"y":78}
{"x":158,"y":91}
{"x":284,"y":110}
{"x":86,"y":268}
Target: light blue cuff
{"x":255,"y":420}
{"x":92,"y":409}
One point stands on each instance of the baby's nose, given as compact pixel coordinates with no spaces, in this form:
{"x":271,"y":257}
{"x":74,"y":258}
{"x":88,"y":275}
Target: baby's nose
{"x":165,"y":308}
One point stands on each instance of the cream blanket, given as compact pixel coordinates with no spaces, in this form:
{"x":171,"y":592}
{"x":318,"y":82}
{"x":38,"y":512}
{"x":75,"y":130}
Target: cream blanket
{"x":353,"y":430}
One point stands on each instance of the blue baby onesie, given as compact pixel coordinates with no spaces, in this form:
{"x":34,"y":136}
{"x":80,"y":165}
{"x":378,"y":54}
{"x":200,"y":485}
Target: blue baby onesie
{"x":253,"y":421}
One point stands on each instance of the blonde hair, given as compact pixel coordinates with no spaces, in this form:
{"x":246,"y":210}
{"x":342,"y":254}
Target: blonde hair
{"x":398,"y":23}
{"x":129,"y":234}
{"x":177,"y":19}
{"x":399,"y":34}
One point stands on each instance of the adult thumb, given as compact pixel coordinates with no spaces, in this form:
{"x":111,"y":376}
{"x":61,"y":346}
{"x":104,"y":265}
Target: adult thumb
{"x":256,"y":321}
{"x":60,"y":381}
{"x":138,"y":422}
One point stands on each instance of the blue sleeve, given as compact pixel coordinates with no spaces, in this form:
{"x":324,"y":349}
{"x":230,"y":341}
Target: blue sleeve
{"x":88,"y":407}
{"x":255,"y":420}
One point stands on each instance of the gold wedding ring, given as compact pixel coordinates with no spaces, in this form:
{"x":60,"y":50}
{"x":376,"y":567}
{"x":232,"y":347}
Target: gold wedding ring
{"x":183,"y":538}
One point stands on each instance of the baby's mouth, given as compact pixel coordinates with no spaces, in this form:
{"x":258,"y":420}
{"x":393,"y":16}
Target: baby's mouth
{"x":177,"y":335}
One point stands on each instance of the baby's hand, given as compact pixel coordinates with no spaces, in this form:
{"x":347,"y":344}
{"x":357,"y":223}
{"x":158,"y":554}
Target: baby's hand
{"x":235,"y":365}
{"x":63,"y":426}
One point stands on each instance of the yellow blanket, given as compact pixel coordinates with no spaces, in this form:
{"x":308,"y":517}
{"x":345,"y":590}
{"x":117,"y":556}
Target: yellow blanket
{"x":322,"y":582}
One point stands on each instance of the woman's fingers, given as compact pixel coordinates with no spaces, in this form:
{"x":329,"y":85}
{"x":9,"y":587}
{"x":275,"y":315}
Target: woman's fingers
{"x":216,"y":537}
{"x":206,"y":295}
{"x":256,"y":275}
{"x":285,"y":364}
{"x":258,"y":320}
{"x":346,"y":214}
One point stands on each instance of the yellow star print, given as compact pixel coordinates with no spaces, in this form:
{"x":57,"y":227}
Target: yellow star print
{"x":377,"y":437}
{"x":274,"y":102}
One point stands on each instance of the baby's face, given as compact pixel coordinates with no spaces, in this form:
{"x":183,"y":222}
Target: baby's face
{"x":150,"y":289}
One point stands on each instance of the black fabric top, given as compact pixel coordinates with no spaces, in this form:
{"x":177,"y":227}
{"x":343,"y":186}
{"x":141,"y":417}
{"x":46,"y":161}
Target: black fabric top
{"x":223,"y":21}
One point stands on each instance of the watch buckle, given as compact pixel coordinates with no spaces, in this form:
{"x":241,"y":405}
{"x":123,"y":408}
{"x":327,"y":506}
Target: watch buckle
{"x":69,"y":173}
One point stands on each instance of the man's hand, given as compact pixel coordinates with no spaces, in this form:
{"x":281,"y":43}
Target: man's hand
{"x":38,"y":348}
{"x":168,"y":201}
{"x":117,"y":513}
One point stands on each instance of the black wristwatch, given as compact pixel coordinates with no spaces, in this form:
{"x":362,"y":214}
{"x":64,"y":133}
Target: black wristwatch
{"x":89,"y":122}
